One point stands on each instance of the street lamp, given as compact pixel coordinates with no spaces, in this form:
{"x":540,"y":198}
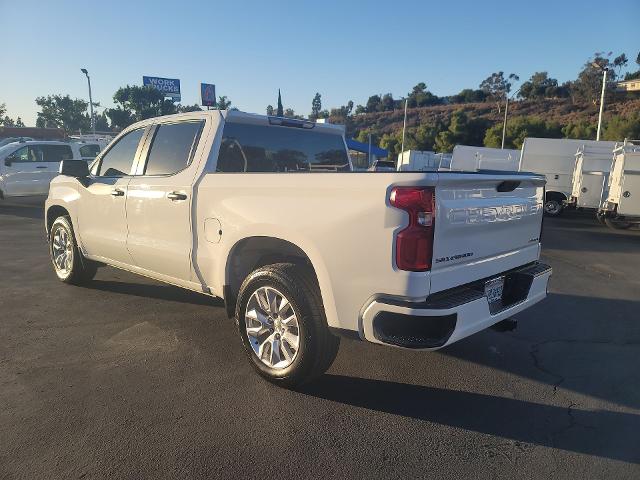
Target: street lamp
{"x":93,"y":123}
{"x":506,"y":110}
{"x":604,"y":86}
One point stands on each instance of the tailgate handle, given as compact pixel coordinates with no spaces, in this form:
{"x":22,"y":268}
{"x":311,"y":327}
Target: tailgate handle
{"x":508,"y":185}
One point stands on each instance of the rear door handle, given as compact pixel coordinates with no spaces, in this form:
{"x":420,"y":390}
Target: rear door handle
{"x":176,"y":196}
{"x":116,"y":192}
{"x":41,"y":166}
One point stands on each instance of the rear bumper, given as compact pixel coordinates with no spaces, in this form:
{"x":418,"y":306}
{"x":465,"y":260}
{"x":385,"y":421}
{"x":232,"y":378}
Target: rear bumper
{"x":449,"y":316}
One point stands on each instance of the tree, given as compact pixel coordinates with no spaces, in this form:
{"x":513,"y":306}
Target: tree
{"x":468,"y":95}
{"x":461,"y":130}
{"x":619,"y":127}
{"x":19,"y":122}
{"x":374,"y":104}
{"x":497,"y":87}
{"x":518,"y":128}
{"x":540,"y":85}
{"x":634,"y":75}
{"x":59,"y":111}
{"x":280,"y":111}
{"x":360,"y":109}
{"x":316,"y":105}
{"x":7,"y":121}
{"x":588,"y":85}
{"x":582,"y":129}
{"x":620,"y":62}
{"x":387,"y":104}
{"x":419,"y":96}
{"x":188,"y":108}
{"x":224,"y":103}
{"x":270,"y":110}
{"x":135,"y":103}
{"x":102,"y":122}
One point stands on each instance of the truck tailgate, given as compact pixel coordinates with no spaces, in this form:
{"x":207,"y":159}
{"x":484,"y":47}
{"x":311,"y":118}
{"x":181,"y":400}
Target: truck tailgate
{"x":485,"y":224}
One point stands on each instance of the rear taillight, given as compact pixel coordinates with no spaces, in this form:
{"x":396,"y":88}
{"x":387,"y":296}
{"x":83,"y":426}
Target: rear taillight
{"x":414,"y":244}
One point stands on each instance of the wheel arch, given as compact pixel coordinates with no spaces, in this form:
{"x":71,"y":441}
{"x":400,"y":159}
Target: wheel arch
{"x":53,"y":212}
{"x":255,"y":251}
{"x":555,"y":195}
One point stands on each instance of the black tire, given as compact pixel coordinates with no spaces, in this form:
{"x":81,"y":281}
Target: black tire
{"x":78,"y":270}
{"x":553,"y":208}
{"x":600,"y":218}
{"x":617,"y":224}
{"x":317,"y":348}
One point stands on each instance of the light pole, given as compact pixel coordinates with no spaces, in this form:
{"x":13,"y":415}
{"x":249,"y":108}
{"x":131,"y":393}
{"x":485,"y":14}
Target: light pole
{"x":93,"y":123}
{"x":604,"y":87}
{"x":506,"y":110}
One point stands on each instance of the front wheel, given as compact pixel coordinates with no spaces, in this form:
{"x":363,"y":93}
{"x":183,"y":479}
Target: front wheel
{"x":282,"y":324}
{"x":553,"y":208}
{"x":68,"y":263}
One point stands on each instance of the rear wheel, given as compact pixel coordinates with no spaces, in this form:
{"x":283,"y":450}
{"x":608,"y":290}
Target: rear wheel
{"x":553,"y":208}
{"x":617,"y":224}
{"x":68,"y":263}
{"x":282,"y":324}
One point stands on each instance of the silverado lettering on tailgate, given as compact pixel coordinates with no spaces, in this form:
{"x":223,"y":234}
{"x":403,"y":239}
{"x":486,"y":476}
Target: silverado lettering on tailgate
{"x":500,"y":213}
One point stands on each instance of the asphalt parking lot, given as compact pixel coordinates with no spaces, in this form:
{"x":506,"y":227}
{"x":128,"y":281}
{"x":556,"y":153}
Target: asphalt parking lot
{"x":128,"y":378}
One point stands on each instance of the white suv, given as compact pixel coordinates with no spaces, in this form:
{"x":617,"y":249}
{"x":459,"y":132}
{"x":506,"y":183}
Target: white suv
{"x":27,"y":167}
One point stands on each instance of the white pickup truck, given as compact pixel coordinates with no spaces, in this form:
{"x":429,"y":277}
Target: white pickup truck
{"x":267,"y":213}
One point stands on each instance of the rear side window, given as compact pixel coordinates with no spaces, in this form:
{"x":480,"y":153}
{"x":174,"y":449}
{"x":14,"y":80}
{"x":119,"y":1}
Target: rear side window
{"x":55,"y":153}
{"x":262,"y":148}
{"x":89,"y":151}
{"x":172,"y":148}
{"x":118,"y":160}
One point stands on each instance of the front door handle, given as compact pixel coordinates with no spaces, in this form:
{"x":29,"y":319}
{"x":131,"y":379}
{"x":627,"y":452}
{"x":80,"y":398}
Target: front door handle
{"x":116,"y":192}
{"x":176,"y":196}
{"x":41,"y":166}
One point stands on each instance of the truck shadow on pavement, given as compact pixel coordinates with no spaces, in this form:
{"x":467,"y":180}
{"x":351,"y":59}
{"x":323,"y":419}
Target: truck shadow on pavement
{"x":22,"y":211}
{"x":154,"y":291}
{"x":601,"y":433}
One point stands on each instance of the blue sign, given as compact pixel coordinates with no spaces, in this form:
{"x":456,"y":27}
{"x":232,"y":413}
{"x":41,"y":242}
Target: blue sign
{"x":170,"y":87}
{"x":208,"y":94}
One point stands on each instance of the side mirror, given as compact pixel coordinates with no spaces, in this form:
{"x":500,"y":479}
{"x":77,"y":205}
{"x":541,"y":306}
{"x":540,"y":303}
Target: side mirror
{"x":74,"y":168}
{"x":9,"y":160}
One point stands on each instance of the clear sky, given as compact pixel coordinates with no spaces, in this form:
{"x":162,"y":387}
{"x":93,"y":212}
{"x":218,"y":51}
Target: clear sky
{"x":342,"y":49}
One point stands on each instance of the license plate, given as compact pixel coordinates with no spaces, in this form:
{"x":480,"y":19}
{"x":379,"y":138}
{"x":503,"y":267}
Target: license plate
{"x":493,"y":289}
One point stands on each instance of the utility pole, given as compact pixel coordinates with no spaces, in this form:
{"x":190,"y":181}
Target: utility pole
{"x":604,"y":86}
{"x":369,"y":159}
{"x":504,"y":124}
{"x":93,"y":122}
{"x":404,"y":125}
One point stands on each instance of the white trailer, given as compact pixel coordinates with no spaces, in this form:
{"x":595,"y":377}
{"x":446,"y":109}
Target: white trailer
{"x":555,"y":158}
{"x":469,"y":158}
{"x":418,"y":161}
{"x":622,"y":206}
{"x":591,"y":176}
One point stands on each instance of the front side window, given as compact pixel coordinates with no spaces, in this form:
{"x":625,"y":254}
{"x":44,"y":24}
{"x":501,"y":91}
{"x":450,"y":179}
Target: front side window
{"x":172,"y":148}
{"x":262,"y":148}
{"x":117,"y":162}
{"x":89,"y":151}
{"x":24,"y":154}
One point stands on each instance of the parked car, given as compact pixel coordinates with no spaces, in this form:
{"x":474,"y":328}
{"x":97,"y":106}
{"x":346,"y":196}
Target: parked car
{"x":27,"y":167}
{"x":591,"y":177}
{"x":555,"y":158}
{"x":383,"y":166}
{"x":418,"y":161}
{"x":621,"y":209}
{"x":267,"y":214}
{"x":471,"y":158}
